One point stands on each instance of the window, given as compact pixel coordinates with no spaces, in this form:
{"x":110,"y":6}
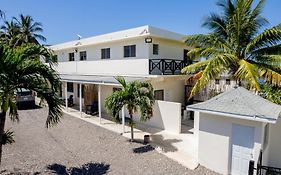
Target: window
{"x":266,"y":135}
{"x":78,"y":90}
{"x":69,"y":87}
{"x":83,"y":55}
{"x":71,"y":56}
{"x":159,"y":94}
{"x":227,"y":81}
{"x":217,"y":81}
{"x":155,"y":49}
{"x":105,"y":53}
{"x":130,"y":51}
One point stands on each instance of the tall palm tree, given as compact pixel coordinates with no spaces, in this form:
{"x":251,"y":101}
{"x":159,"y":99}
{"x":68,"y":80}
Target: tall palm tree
{"x":29,"y":29}
{"x":235,"y":46}
{"x":20,"y":67}
{"x":10,"y":33}
{"x":136,"y":96}
{"x":2,"y":14}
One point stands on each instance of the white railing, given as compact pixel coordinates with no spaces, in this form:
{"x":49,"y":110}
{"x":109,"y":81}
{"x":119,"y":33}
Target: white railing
{"x":105,"y":67}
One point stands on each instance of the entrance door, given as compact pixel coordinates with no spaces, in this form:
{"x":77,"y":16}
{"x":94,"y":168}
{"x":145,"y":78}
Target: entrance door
{"x":242,"y":148}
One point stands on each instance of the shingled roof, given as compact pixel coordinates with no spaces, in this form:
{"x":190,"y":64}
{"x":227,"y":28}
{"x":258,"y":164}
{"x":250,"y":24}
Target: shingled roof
{"x":240,"y":103}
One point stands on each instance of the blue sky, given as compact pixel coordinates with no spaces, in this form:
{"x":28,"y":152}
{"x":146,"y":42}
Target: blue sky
{"x":63,"y":19}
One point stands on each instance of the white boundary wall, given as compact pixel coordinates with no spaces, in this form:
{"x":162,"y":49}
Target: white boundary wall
{"x":166,"y":116}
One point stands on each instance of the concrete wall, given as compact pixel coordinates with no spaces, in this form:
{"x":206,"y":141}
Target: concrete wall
{"x":214,"y":149}
{"x":105,"y":67}
{"x":166,"y":116}
{"x":272,"y":154}
{"x":116,"y":50}
{"x":173,"y":89}
{"x":167,"y":49}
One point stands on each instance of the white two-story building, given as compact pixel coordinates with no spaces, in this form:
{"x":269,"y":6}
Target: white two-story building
{"x":145,"y":54}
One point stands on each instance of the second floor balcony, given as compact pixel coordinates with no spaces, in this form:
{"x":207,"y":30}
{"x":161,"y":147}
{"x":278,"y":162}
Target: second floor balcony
{"x":123,"y":67}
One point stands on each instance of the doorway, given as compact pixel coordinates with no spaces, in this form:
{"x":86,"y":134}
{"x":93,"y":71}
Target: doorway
{"x":242,"y":148}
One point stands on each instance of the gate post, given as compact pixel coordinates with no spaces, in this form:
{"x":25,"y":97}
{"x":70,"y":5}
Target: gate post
{"x":251,"y":167}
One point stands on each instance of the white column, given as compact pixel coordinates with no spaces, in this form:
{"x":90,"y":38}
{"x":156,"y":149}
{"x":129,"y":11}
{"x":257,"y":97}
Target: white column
{"x":80,"y":98}
{"x":99,"y":99}
{"x":65,"y":96}
{"x":123,"y":118}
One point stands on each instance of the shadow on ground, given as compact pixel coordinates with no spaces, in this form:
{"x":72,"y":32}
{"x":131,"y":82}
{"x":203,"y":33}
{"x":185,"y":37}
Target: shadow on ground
{"x":165,"y":144}
{"x":143,"y":149}
{"x":86,"y":169}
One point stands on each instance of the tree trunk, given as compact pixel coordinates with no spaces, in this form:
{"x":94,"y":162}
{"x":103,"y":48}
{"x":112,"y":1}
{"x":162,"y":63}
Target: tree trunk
{"x":2,"y":126}
{"x":132,"y":128}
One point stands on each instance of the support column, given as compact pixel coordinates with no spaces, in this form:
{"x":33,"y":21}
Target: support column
{"x":99,"y":99}
{"x":123,"y":118}
{"x":65,"y":96}
{"x":80,"y":98}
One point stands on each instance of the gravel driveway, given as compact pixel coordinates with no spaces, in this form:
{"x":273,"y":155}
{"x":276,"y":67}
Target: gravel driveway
{"x":77,"y":147}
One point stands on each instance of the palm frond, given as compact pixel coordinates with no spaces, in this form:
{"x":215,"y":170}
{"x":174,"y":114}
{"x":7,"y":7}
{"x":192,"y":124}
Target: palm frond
{"x":249,"y":73}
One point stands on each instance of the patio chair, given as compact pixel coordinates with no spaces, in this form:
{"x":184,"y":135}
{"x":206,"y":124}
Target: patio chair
{"x":92,"y":109}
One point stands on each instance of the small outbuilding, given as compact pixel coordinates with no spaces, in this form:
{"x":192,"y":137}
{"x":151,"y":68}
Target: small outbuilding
{"x":232,"y":129}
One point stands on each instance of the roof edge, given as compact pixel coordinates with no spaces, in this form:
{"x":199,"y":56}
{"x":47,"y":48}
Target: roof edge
{"x":248,"y":117}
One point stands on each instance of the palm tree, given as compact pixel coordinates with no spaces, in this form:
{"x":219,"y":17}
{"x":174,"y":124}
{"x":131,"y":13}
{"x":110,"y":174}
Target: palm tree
{"x":10,"y":33}
{"x":136,"y":96}
{"x":235,"y":46}
{"x":2,"y":14}
{"x":29,"y":29}
{"x":20,"y":67}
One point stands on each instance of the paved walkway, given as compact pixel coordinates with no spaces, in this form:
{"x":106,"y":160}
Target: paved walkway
{"x":78,"y":147}
{"x":179,"y":147}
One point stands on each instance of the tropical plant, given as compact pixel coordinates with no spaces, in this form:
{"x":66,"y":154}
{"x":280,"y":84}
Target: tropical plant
{"x":236,"y":47}
{"x":10,"y":33}
{"x":272,"y":93}
{"x":29,"y":29}
{"x":135,"y":96}
{"x":20,"y":67}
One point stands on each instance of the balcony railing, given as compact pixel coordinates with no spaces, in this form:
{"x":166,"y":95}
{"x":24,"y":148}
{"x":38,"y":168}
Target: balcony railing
{"x":166,"y":66}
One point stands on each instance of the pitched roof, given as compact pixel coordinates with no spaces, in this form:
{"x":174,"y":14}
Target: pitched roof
{"x":121,"y":35}
{"x":240,"y":103}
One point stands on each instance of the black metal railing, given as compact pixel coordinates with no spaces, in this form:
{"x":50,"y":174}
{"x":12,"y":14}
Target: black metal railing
{"x":166,"y":66}
{"x":263,"y":170}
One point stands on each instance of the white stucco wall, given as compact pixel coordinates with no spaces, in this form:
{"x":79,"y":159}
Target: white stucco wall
{"x":116,"y":50}
{"x":166,"y":116}
{"x":272,"y":154}
{"x":168,"y":49}
{"x":173,"y":89}
{"x":214,"y":149}
{"x":105,"y":67}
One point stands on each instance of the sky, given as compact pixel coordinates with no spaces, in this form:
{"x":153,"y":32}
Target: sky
{"x":63,"y":19}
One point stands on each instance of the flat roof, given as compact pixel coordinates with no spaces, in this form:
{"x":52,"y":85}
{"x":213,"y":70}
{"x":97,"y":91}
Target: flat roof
{"x":121,"y":35}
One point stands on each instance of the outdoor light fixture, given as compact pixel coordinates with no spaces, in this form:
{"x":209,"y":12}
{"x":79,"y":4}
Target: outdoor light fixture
{"x":148,"y":40}
{"x":75,"y":50}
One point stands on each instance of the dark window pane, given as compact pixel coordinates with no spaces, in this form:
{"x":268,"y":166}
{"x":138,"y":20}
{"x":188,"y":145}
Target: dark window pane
{"x":155,"y":49}
{"x":217,"y":81}
{"x":228,"y":81}
{"x":69,"y":87}
{"x":71,"y":56}
{"x":159,"y":94}
{"x":133,"y":51}
{"x":130,"y":51}
{"x":83,"y":55}
{"x":105,"y":53}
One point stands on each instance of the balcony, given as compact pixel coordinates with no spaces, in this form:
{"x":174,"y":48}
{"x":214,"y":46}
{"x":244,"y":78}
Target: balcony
{"x":166,"y":66}
{"x":134,"y":67}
